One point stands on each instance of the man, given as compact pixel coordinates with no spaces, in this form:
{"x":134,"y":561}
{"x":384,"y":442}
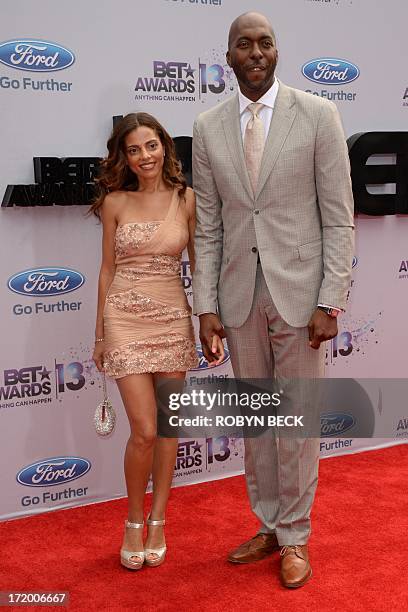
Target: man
{"x":274,"y":245}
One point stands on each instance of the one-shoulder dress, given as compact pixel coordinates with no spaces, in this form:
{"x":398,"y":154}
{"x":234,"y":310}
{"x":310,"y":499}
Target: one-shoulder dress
{"x":147,"y":318}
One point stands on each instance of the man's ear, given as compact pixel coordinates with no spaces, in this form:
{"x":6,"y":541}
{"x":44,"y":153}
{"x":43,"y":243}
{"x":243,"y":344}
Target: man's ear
{"x":228,"y":58}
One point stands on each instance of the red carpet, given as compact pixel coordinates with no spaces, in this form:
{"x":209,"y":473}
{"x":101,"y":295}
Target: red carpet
{"x":358,"y":548}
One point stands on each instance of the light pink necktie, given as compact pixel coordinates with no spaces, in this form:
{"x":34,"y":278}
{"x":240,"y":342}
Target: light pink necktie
{"x":254,"y":142}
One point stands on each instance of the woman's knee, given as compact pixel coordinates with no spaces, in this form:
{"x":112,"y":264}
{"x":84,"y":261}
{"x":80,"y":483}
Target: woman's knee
{"x":143,"y":437}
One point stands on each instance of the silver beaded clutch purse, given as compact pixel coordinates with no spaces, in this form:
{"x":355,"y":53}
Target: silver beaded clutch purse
{"x":105,"y":415}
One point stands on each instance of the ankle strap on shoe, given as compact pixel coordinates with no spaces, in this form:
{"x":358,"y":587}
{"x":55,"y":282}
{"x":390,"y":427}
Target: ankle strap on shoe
{"x":134,"y":525}
{"x":151,"y":522}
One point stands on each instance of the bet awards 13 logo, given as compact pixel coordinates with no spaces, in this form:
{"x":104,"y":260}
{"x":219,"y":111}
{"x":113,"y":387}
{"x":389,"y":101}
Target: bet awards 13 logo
{"x":177,"y":77}
{"x":193,"y":456}
{"x":38,"y":384}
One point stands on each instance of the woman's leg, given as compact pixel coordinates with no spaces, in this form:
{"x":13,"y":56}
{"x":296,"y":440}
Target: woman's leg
{"x":138,"y":396}
{"x":164,"y":459}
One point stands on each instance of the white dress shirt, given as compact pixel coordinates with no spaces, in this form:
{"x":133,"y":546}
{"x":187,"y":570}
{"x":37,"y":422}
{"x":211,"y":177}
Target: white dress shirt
{"x":266,"y":112}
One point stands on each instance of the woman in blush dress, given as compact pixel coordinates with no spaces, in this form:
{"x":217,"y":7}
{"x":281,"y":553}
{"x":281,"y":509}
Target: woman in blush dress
{"x":143,"y":325}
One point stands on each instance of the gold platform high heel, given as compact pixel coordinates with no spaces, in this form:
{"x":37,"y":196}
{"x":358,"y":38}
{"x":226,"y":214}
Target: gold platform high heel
{"x":126,"y":555}
{"x":160,"y":552}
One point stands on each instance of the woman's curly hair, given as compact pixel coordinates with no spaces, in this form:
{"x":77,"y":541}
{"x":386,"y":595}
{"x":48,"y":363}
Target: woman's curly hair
{"x":114,"y":173}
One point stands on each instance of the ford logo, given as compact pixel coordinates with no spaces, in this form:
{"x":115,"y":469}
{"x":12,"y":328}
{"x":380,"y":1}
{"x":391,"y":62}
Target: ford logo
{"x":35,"y":55}
{"x":330,"y":71}
{"x":335,"y":423}
{"x":53,"y":472}
{"x":203,"y":363}
{"x":45,"y":281}
{"x":354,"y":263}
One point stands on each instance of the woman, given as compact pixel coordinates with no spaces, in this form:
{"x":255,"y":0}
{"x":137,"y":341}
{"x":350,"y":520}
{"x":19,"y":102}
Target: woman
{"x":143,"y":325}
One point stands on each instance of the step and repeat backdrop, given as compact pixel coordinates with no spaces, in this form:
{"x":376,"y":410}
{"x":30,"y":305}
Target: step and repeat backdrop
{"x":65,"y":72}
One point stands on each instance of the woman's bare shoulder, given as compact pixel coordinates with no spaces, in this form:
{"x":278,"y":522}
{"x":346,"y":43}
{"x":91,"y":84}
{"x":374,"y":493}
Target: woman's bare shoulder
{"x":113,"y":203}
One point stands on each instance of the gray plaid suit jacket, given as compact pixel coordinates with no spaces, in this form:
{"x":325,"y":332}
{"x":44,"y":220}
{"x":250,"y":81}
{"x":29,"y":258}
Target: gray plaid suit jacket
{"x":300,"y":218}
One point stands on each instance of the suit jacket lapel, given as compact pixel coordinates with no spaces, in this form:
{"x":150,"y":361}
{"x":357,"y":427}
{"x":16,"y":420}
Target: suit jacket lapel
{"x":233,"y":137}
{"x":283,"y":116}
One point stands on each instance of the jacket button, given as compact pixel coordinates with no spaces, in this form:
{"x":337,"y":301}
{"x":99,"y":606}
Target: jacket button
{"x":256,"y":212}
{"x":254,"y":250}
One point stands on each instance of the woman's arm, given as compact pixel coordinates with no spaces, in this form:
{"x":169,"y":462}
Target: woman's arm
{"x":190,"y":208}
{"x":106,"y":273}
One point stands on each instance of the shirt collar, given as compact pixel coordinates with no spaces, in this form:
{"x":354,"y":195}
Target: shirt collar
{"x":268,"y":99}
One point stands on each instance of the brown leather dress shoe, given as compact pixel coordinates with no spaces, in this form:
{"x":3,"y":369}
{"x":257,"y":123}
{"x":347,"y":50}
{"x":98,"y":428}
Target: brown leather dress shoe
{"x":257,"y":548}
{"x":295,"y":566}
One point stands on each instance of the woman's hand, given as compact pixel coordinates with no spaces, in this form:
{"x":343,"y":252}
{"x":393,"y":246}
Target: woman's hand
{"x":217,"y":350}
{"x":98,"y":355}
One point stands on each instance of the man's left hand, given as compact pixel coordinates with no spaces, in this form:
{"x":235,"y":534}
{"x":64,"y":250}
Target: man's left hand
{"x":321,"y":327}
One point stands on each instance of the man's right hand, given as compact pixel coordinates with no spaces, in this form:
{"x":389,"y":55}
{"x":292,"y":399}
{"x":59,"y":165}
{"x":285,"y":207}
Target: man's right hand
{"x":210,"y":326}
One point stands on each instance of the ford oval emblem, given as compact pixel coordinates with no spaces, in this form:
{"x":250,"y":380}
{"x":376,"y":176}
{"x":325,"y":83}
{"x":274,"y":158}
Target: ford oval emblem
{"x":330,"y":71}
{"x":335,"y":423}
{"x":203,"y":363}
{"x":53,"y":472}
{"x":35,"y":55}
{"x":45,"y":282}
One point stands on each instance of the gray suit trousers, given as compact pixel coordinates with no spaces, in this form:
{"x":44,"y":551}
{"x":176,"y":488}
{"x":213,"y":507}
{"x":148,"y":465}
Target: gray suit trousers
{"x":281,"y":472}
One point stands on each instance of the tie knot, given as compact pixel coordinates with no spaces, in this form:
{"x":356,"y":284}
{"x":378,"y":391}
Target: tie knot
{"x":254,"y":108}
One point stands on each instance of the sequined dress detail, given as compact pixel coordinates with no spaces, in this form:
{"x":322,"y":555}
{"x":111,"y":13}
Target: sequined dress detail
{"x":147,"y":318}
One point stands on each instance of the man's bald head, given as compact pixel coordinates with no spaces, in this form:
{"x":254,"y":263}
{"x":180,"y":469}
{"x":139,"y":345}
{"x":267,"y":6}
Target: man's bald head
{"x":248,"y":20}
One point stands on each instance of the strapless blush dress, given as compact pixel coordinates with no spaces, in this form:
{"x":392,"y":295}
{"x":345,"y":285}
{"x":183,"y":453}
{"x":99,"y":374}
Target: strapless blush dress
{"x":147,"y":318}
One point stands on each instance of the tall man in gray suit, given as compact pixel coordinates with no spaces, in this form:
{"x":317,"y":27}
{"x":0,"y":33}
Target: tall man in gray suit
{"x":274,"y":246}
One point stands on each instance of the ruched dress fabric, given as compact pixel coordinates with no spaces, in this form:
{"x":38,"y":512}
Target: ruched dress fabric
{"x":147,"y":318}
